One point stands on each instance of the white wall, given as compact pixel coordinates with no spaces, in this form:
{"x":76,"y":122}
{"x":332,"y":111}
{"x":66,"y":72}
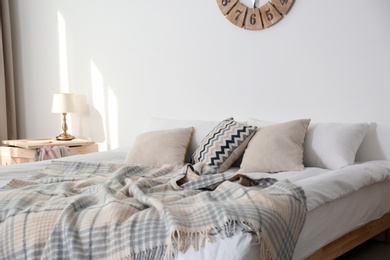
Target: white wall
{"x":129,"y":60}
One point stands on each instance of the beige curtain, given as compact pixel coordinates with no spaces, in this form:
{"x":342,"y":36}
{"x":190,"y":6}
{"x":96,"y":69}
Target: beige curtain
{"x":7,"y":90}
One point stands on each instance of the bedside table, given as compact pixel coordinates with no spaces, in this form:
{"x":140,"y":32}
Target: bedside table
{"x":23,"y":150}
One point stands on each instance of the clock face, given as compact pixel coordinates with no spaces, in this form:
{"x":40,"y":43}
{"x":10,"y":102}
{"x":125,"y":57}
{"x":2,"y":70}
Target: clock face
{"x":254,"y":18}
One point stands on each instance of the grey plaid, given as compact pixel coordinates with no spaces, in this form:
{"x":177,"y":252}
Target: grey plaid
{"x":77,"y":210}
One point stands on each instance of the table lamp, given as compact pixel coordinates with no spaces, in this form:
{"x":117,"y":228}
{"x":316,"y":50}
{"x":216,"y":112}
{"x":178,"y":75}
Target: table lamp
{"x":63,"y":103}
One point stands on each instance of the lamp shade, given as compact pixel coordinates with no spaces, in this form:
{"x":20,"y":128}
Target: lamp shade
{"x":63,"y":103}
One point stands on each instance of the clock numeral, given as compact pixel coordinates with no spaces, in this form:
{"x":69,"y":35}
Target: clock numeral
{"x":282,"y":5}
{"x":252,"y":19}
{"x":226,"y":2}
{"x":238,"y":12}
{"x":270,"y":16}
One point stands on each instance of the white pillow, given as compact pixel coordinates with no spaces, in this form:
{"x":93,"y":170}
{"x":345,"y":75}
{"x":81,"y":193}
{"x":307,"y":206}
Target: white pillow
{"x":201,"y":129}
{"x":333,"y":145}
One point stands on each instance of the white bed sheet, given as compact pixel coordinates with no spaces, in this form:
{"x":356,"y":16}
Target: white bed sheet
{"x":361,"y":191}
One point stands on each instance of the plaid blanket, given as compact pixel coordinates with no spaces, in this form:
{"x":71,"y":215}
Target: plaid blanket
{"x":78,"y":210}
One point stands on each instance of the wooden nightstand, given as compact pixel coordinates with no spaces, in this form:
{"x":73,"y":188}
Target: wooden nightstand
{"x":22,"y":151}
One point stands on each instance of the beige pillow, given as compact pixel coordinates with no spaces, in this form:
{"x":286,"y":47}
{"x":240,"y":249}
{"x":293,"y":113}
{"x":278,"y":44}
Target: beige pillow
{"x":276,"y":148}
{"x":161,"y":147}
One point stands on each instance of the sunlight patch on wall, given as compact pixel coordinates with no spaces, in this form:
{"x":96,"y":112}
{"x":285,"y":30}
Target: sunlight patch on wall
{"x":113,"y":120}
{"x":98,"y":100}
{"x":63,"y":54}
{"x":106,"y":103}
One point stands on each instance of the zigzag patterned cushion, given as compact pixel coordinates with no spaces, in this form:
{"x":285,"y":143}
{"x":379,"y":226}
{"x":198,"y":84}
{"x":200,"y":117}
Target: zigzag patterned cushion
{"x":224,"y":144}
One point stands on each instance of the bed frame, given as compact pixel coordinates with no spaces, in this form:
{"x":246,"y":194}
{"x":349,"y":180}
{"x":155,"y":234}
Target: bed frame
{"x":354,"y":238}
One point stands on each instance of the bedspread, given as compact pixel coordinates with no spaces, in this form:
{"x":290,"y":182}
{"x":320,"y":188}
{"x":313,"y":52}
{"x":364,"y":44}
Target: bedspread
{"x":79,"y":210}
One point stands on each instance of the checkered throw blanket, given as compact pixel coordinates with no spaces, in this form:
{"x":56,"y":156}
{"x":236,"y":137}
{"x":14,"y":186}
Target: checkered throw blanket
{"x":78,"y":210}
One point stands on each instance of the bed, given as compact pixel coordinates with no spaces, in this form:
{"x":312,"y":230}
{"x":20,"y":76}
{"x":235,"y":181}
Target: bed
{"x":341,"y":203}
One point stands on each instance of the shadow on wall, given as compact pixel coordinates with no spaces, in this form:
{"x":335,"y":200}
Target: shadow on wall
{"x":371,"y":149}
{"x":87,"y":122}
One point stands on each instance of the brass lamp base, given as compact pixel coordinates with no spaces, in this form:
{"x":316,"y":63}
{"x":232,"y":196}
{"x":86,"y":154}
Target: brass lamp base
{"x":65,"y":137}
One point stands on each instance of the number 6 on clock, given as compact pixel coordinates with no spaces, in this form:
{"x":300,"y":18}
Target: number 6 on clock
{"x":253,"y":19}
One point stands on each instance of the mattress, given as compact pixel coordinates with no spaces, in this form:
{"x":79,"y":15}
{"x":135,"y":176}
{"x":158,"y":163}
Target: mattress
{"x":338,"y":201}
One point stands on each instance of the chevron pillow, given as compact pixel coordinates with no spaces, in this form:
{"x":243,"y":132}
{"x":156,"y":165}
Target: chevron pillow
{"x":224,"y":144}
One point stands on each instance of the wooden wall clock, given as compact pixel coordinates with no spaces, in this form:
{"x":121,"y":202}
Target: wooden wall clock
{"x":255,"y":18}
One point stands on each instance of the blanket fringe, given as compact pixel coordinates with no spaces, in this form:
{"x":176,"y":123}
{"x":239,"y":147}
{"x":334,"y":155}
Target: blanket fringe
{"x":180,"y":241}
{"x":155,"y":253}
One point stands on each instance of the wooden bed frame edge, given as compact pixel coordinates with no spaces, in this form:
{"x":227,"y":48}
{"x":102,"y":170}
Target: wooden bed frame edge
{"x":354,"y":238}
